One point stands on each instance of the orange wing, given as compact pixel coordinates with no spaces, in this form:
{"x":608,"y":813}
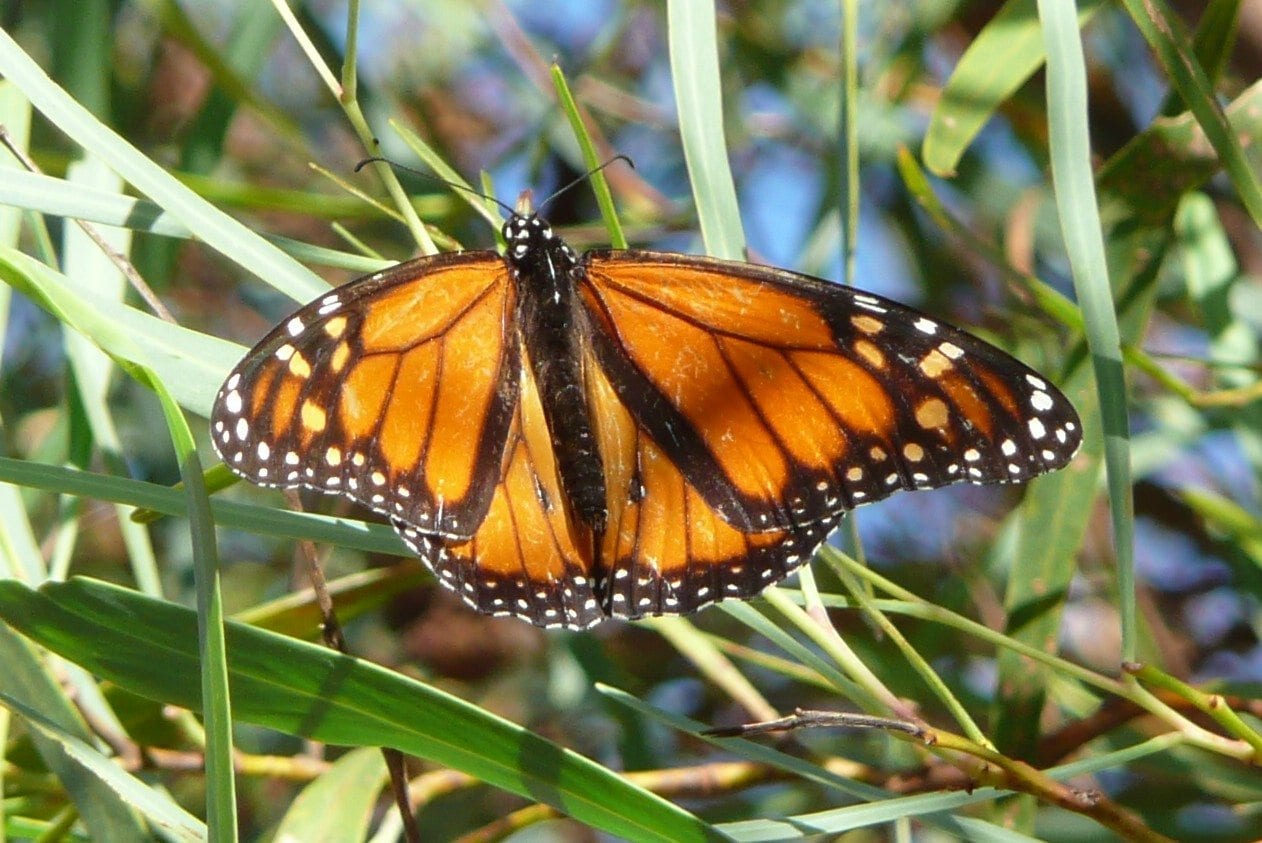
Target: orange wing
{"x":528,"y":558}
{"x":396,"y":390}
{"x":784,"y":400}
{"x":739,"y":412}
{"x":665,"y":550}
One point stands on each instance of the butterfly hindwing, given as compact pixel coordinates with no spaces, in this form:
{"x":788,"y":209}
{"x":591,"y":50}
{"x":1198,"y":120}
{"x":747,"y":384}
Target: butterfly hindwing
{"x":528,"y":557}
{"x":785,"y":400}
{"x":395,"y":390}
{"x":666,"y":550}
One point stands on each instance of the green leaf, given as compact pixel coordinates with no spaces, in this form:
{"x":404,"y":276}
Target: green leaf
{"x":216,"y":708}
{"x":150,"y":648}
{"x":376,"y":538}
{"x":193,"y":363}
{"x":1081,"y":227}
{"x":694,"y":64}
{"x":29,"y":687}
{"x":336,"y":807}
{"x":1001,"y":58}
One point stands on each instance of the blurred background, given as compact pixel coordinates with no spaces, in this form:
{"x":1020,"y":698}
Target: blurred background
{"x":472,"y":79}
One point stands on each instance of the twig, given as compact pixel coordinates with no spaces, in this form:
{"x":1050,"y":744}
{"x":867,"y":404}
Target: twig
{"x":334,"y":639}
{"x":811,"y":719}
{"x":118,"y":259}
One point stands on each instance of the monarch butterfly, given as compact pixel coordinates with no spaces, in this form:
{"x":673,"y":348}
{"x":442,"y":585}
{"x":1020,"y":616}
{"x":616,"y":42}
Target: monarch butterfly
{"x":625,"y":433}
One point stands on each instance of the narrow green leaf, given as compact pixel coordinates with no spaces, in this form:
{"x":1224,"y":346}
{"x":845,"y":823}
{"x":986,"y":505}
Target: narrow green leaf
{"x":336,"y":807}
{"x":694,"y":63}
{"x":216,"y":708}
{"x":192,"y":362}
{"x":1001,"y":58}
{"x":158,"y":808}
{"x":373,"y":538}
{"x":29,"y":685}
{"x":600,"y":185}
{"x":1216,"y":33}
{"x":1076,"y":205}
{"x":149,"y":647}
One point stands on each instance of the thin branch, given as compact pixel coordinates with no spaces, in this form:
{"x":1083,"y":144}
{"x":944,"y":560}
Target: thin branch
{"x":117,"y":258}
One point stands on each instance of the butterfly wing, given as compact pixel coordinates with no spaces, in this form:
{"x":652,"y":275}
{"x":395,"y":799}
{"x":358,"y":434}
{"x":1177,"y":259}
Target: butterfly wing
{"x":396,"y":390}
{"x":783,"y":400}
{"x":528,"y":557}
{"x":739,"y":412}
{"x":666,"y":550}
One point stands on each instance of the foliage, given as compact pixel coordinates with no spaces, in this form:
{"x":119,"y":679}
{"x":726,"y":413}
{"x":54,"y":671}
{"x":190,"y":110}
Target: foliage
{"x":1078,"y":658}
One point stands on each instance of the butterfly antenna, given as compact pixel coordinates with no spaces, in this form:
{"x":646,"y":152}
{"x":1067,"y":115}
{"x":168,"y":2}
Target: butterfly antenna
{"x":587,"y":176}
{"x":508,"y":209}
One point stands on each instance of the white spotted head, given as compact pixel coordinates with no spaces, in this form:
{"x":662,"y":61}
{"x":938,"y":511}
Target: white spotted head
{"x":531,"y":243}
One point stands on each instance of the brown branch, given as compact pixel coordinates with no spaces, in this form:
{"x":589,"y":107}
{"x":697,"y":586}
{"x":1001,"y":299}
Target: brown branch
{"x":1115,"y":712}
{"x":967,"y":765}
{"x":334,"y":639}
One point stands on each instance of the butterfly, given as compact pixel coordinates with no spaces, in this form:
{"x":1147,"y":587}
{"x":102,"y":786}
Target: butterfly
{"x":624,"y":433}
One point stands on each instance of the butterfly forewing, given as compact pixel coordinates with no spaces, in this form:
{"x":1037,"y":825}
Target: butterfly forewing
{"x":785,"y":400}
{"x":396,"y":390}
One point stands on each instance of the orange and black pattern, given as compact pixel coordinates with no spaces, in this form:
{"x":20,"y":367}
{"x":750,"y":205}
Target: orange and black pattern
{"x":624,"y":434}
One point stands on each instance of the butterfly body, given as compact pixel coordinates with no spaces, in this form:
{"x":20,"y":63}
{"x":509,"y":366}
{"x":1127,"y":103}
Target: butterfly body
{"x":567,"y":438}
{"x":555,"y":332}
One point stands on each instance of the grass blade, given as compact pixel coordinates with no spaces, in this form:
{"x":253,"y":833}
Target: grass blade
{"x":1079,"y":214}
{"x":150,"y":648}
{"x":694,"y":63}
{"x":216,"y":708}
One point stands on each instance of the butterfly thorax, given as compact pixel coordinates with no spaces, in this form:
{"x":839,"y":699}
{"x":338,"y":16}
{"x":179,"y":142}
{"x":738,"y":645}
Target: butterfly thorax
{"x":554,"y":331}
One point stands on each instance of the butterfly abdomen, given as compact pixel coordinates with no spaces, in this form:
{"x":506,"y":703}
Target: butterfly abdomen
{"x":553,"y":332}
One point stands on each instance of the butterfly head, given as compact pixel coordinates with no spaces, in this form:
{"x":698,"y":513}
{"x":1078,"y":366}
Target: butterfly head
{"x":530,"y":240}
